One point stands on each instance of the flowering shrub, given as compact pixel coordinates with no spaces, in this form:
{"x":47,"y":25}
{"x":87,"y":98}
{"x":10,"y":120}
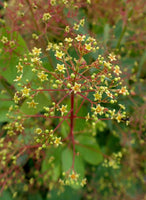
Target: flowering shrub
{"x":61,"y":93}
{"x":62,"y":90}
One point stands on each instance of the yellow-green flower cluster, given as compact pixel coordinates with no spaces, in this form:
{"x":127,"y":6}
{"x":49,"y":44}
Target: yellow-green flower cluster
{"x":45,"y":138}
{"x":72,"y":178}
{"x":46,"y":17}
{"x":113,"y":161}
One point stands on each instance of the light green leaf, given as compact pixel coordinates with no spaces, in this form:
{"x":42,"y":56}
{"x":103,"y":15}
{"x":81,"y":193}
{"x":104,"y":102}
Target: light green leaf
{"x":106,"y":33}
{"x":118,"y":29}
{"x":4,"y":107}
{"x":68,"y":194}
{"x":80,"y":124}
{"x":35,"y":197}
{"x":41,"y":99}
{"x":89,"y":149}
{"x":46,"y":165}
{"x":67,"y":161}
{"x":9,"y":61}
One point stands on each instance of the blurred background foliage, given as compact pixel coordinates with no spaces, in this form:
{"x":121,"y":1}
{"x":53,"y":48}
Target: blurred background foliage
{"x":119,"y":26}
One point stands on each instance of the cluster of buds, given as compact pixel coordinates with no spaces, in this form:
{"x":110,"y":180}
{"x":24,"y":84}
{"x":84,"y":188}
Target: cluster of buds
{"x":114,"y":161}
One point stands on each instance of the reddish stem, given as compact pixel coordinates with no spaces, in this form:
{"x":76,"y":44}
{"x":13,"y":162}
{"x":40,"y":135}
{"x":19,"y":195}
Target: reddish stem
{"x":72,"y":126}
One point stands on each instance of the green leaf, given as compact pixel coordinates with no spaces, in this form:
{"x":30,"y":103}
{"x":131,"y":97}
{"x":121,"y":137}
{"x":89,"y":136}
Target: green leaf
{"x":8,"y":68}
{"x":6,"y":195}
{"x":9,"y":61}
{"x":80,"y":124}
{"x":35,"y":197}
{"x":41,"y":99}
{"x":4,"y":107}
{"x":46,"y":166}
{"x":64,"y":129}
{"x":69,"y":193}
{"x":67,"y":161}
{"x":106,"y":33}
{"x":47,"y":65}
{"x":89,"y":149}
{"x":118,"y":29}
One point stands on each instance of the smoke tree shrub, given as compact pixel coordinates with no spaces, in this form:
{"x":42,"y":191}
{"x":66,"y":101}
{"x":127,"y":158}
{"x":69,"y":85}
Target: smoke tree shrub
{"x":74,"y":96}
{"x":57,"y":106}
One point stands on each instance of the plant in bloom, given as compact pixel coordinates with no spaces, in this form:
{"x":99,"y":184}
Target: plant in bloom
{"x":60,"y":95}
{"x":55,"y":103}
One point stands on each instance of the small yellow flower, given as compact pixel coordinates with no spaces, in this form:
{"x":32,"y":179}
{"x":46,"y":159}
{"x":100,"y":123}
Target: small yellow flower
{"x":19,"y":67}
{"x":60,"y":68}
{"x":82,"y":22}
{"x":19,"y":127}
{"x":123,"y":91}
{"x":49,"y":46}
{"x":74,"y":176}
{"x":91,"y":39}
{"x":46,"y":17}
{"x":10,"y":108}
{"x":5,"y":4}
{"x":122,"y":106}
{"x":87,"y":117}
{"x":63,"y":109}
{"x":59,"y":54}
{"x":80,"y":38}
{"x":4,"y":40}
{"x":76,"y":26}
{"x":56,"y":47}
{"x":83,"y":182}
{"x":57,"y":141}
{"x":68,"y":40}
{"x":119,"y":117}
{"x":107,"y":64}
{"x":112,"y":57}
{"x":65,"y":1}
{"x":109,"y":94}
{"x":42,"y":76}
{"x":16,"y":98}
{"x":25,"y":91}
{"x":18,"y":78}
{"x":35,"y":36}
{"x":88,"y":47}
{"x":67,"y":29}
{"x":38,"y":131}
{"x":97,"y":96}
{"x":35,"y":60}
{"x":117,"y":70}
{"x":76,"y":88}
{"x":36,"y":51}
{"x":32,"y":104}
{"x":99,"y":109}
{"x":12,"y":43}
{"x":53,"y":2}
